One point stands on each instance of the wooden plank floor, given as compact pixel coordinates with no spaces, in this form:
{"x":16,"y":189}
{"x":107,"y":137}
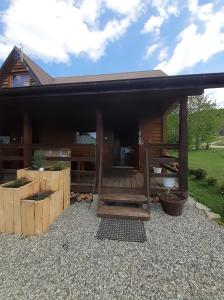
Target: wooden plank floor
{"x":135,"y":180}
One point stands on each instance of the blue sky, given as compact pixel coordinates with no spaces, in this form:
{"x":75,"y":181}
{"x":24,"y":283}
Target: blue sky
{"x":83,"y":37}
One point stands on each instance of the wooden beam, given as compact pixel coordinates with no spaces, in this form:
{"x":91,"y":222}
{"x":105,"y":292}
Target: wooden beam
{"x":27,"y":139}
{"x":1,"y":162}
{"x":183,"y":142}
{"x":99,"y":149}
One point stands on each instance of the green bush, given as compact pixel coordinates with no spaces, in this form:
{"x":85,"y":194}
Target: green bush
{"x":191,"y":171}
{"x":200,"y":174}
{"x":211,"y":181}
{"x":58,"y":166}
{"x":38,"y":160}
{"x":17,"y":183}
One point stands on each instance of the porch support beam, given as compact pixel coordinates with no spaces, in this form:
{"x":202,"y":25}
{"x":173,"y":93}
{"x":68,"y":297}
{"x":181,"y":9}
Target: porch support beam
{"x":183,"y":145}
{"x":99,"y":149}
{"x":1,"y":162}
{"x":27,"y":139}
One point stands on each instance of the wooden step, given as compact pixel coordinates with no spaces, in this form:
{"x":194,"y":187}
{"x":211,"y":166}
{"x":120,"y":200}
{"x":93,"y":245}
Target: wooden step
{"x":122,"y":190}
{"x":123,"y":212}
{"x":124,"y":198}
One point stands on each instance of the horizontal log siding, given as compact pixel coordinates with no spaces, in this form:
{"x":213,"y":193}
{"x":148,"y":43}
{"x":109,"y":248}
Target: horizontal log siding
{"x":151,"y":132}
{"x":17,"y":69}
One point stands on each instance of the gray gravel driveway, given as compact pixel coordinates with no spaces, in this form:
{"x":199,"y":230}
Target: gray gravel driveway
{"x":183,"y":258}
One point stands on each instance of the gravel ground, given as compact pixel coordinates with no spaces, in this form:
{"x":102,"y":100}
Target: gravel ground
{"x":183,"y":258}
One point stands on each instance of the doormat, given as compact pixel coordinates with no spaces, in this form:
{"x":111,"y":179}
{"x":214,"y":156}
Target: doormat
{"x":125,"y":230}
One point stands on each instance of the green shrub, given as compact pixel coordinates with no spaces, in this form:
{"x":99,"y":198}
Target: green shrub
{"x":17,"y":183}
{"x":191,"y":171}
{"x":200,"y":174}
{"x":38,"y":160}
{"x":58,"y":166}
{"x":211,"y":181}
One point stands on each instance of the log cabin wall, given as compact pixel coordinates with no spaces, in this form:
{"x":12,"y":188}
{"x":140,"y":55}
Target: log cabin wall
{"x":152,"y":131}
{"x":108,"y":149}
{"x":17,"y":69}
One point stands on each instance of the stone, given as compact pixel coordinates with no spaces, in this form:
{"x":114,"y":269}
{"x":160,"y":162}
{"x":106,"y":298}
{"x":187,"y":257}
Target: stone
{"x":202,"y":207}
{"x":212,"y":216}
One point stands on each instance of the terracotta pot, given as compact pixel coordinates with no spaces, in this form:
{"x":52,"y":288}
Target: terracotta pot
{"x":173,"y":204}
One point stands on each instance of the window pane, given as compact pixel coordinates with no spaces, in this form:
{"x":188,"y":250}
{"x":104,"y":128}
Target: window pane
{"x":85,"y":138}
{"x":20,"y":80}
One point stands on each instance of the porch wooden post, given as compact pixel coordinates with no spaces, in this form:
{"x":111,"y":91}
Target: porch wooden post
{"x":1,"y":162}
{"x":27,"y":140}
{"x":99,"y":148}
{"x":183,"y":145}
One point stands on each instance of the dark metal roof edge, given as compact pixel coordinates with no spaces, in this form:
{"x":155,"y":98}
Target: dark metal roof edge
{"x":208,"y":80}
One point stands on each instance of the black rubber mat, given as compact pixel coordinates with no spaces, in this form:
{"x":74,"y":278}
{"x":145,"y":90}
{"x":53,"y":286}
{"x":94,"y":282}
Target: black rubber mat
{"x":121,"y":230}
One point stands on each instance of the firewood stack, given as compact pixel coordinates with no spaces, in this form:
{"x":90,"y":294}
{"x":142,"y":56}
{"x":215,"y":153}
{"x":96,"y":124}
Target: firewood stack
{"x":79,"y":197}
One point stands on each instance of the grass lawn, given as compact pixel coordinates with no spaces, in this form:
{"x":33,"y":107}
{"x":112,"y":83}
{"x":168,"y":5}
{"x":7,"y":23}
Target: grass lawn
{"x":210,"y":160}
{"x":213,"y":162}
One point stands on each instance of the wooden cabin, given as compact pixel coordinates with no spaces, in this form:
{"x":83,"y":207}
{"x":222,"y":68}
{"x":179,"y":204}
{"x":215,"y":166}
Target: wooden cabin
{"x":113,"y":126}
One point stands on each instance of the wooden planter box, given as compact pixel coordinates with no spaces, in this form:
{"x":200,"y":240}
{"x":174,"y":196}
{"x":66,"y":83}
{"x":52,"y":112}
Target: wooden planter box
{"x":51,"y":181}
{"x":36,"y":216}
{"x":10,"y":206}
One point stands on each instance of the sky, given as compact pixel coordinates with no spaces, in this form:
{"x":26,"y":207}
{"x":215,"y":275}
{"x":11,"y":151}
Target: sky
{"x":84,"y":37}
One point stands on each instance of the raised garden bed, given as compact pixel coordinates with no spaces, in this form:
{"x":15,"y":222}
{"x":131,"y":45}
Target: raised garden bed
{"x":33,"y":201}
{"x":10,"y":204}
{"x":40,"y":210}
{"x":50,"y":181}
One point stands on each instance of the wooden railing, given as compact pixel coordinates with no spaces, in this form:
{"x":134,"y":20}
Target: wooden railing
{"x":79,"y":153}
{"x":163,"y":161}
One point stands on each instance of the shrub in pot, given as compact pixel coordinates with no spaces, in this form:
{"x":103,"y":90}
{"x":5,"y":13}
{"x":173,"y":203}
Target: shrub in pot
{"x":200,"y":174}
{"x":58,"y":166}
{"x":38,"y":161}
{"x":17,"y":183}
{"x":211,"y":181}
{"x":173,"y":202}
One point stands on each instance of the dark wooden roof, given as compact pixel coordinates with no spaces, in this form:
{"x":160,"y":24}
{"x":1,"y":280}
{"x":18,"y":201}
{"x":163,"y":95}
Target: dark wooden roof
{"x":154,"y":82}
{"x":43,"y":78}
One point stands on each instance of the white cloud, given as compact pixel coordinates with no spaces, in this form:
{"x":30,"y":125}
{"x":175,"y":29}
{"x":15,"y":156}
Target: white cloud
{"x":165,"y":9}
{"x":54,"y":29}
{"x":153,"y":24}
{"x":217,"y":94}
{"x":194,"y":47}
{"x":151,"y":50}
{"x":163,"y":54}
{"x":192,"y":5}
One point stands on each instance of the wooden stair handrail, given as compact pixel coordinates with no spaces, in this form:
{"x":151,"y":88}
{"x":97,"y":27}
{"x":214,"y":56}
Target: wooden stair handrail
{"x":100,"y":173}
{"x":146,"y":146}
{"x":164,"y":159}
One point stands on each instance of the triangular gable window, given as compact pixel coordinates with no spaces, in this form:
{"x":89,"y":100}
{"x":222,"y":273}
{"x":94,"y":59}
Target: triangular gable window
{"x":20,"y":80}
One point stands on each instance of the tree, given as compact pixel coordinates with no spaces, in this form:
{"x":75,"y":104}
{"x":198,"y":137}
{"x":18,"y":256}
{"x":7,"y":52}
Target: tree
{"x":203,"y":124}
{"x":173,"y":127}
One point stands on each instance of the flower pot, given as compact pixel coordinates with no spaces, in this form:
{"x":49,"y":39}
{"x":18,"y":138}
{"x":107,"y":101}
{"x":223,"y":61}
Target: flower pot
{"x":169,"y":182}
{"x":173,"y":203}
{"x":157,"y":170}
